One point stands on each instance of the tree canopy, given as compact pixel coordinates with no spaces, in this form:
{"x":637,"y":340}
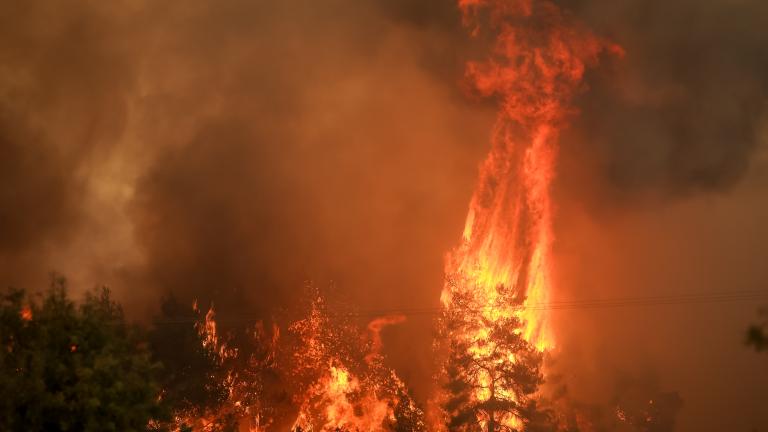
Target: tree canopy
{"x":70,"y":367}
{"x":491,"y":381}
{"x":193,"y":377}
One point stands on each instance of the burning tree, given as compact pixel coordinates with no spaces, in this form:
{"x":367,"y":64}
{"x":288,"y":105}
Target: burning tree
{"x":503,"y":262}
{"x":193,"y":378}
{"x":214,"y":380}
{"x":343,"y":384}
{"x":327,"y":374}
{"x":493,"y":372}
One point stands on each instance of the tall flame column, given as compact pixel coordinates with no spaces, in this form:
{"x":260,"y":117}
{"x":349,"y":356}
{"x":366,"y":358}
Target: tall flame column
{"x":537,"y":66}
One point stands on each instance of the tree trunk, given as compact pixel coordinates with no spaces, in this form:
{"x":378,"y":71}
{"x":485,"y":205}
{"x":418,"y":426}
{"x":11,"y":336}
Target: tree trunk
{"x":491,"y":420}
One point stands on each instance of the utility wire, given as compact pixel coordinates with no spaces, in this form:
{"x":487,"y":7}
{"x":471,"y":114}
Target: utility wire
{"x":585,"y":304}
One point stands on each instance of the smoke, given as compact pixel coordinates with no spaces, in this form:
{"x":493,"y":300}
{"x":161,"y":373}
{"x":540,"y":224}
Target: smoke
{"x":229,"y":151}
{"x":35,"y":208}
{"x":175,"y":119}
{"x":659,"y":186}
{"x":681,"y":114}
{"x":63,"y":86}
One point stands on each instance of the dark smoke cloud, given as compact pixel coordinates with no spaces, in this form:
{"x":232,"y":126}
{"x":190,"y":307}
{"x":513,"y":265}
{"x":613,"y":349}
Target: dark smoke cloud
{"x":63,"y":84}
{"x":662,"y":170}
{"x":304,"y":141}
{"x":313,"y":134}
{"x":681,"y":113}
{"x":33,"y":207}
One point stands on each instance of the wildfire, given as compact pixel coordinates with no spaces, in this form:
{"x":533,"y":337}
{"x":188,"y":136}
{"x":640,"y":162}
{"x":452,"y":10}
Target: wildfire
{"x":344,"y":404}
{"x":210,"y":335}
{"x":351,"y":389}
{"x":240,"y":375}
{"x":329,"y":371}
{"x":501,"y":268}
{"x":504,"y":262}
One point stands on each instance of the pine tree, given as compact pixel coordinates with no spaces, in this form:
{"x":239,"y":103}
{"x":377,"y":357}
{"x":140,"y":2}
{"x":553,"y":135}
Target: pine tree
{"x":492,"y":373}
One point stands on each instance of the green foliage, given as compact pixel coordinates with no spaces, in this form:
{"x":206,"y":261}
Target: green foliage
{"x":73,"y":368}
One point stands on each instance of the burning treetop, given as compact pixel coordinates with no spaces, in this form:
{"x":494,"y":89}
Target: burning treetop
{"x":504,"y":262}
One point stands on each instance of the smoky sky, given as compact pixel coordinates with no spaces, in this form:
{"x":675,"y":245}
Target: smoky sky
{"x":681,"y":113}
{"x":231,"y":151}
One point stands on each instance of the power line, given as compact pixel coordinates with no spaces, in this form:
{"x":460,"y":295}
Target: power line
{"x":585,"y":304}
{"x":687,"y":298}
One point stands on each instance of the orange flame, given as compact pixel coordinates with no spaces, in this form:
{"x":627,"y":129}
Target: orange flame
{"x":243,"y":401}
{"x":347,"y":392}
{"x":26,"y":313}
{"x":537,"y":67}
{"x":375,"y":327}
{"x":336,"y":400}
{"x":210,"y":336}
{"x":344,"y":403}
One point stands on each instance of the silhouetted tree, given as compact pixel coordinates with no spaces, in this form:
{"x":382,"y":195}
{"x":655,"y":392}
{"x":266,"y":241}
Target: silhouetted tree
{"x":73,"y":367}
{"x":408,"y":416}
{"x":490,"y":379}
{"x":225,"y":375}
{"x":192,"y":379}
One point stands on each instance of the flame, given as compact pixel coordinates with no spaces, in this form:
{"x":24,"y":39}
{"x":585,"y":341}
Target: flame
{"x":244,"y":401}
{"x":332,"y":381}
{"x":537,"y":67}
{"x":538,"y":63}
{"x":375,"y":327}
{"x":344,"y":403}
{"x":350,"y":390}
{"x":210,"y":336}
{"x":26,"y":313}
